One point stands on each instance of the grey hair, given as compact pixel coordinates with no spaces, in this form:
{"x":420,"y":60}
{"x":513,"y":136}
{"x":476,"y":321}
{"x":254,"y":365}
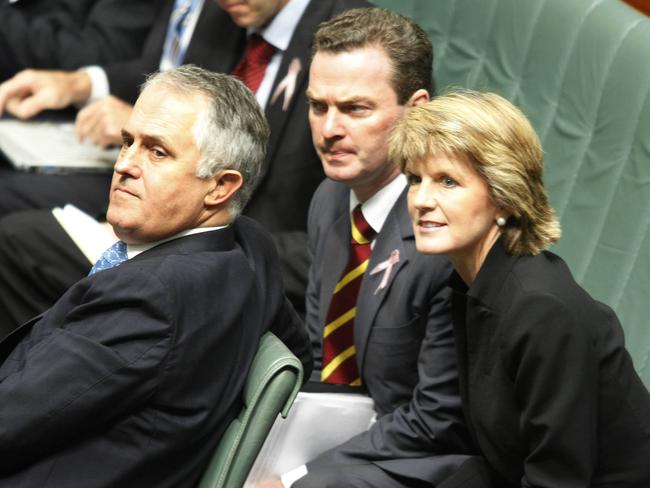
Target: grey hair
{"x":231,"y":132}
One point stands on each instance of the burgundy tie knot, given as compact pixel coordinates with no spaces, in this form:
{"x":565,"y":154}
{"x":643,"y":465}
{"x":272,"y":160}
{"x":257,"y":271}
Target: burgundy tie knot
{"x":253,"y":65}
{"x":361,"y":225}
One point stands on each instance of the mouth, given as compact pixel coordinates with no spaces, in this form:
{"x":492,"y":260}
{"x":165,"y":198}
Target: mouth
{"x":336,"y":153}
{"x":430,"y":225}
{"x":120,"y":190}
{"x":232,"y":6}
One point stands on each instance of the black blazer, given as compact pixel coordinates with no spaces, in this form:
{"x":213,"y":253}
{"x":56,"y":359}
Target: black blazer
{"x":549,"y":391}
{"x":132,"y":376}
{"x":68,"y":34}
{"x":404,"y":341}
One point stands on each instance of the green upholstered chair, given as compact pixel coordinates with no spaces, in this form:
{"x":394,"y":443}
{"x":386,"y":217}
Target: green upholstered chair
{"x":271,"y":387}
{"x":580,"y":70}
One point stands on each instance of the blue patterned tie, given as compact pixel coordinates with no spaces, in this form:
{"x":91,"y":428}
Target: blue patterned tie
{"x":174,"y":50}
{"x":113,"y":256}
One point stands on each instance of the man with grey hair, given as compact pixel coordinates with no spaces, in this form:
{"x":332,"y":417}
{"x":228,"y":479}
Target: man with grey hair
{"x":132,"y":376}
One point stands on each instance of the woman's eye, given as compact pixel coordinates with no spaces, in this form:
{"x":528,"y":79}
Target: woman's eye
{"x":448,"y":182}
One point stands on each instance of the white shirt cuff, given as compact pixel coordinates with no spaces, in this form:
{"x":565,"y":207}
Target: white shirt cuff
{"x":294,"y":475}
{"x":98,"y":83}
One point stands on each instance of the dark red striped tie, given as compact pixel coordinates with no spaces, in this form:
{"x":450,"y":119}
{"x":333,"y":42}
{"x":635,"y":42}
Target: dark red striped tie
{"x":253,"y":65}
{"x":339,"y":353}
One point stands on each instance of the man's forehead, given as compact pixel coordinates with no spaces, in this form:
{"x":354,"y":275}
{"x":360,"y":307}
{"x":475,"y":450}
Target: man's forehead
{"x":163,"y":116}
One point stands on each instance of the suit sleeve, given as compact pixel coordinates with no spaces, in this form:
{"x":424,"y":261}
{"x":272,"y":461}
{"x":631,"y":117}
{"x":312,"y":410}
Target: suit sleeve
{"x":111,"y":30}
{"x":290,"y":330}
{"x":431,"y":423}
{"x":314,"y":328}
{"x":555,"y":372}
{"x":294,"y":260}
{"x":62,"y":382}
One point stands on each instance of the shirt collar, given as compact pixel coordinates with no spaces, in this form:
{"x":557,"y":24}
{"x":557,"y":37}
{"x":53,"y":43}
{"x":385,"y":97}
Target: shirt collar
{"x":279,"y":31}
{"x":132,"y":250}
{"x":377,"y":207}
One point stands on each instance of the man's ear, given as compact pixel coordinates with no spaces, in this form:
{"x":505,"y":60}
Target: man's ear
{"x":418,"y":98}
{"x":225,"y":184}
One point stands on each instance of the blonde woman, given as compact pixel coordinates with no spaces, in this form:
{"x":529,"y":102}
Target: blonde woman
{"x":549,"y":392}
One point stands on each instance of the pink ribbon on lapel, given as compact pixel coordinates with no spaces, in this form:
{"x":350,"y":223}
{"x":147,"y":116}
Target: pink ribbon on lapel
{"x":288,"y":84}
{"x":387,"y":268}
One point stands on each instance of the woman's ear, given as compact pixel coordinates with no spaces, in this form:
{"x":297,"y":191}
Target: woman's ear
{"x":225,"y":184}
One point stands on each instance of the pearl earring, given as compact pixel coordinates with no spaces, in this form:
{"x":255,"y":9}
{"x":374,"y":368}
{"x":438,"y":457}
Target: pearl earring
{"x":501,"y":221}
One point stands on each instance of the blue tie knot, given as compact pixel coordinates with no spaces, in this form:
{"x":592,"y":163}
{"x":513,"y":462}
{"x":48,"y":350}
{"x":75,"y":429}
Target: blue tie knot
{"x":113,"y":256}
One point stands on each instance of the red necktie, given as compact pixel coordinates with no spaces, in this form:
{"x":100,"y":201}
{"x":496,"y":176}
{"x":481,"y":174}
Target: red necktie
{"x":253,"y":65}
{"x":339,"y":353}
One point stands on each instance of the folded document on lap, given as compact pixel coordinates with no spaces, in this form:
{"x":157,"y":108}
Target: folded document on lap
{"x":316,"y":422}
{"x":90,"y":236}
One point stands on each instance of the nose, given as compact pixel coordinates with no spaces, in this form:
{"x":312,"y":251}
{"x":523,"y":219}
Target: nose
{"x":127,"y":162}
{"x":332,"y":125}
{"x":422,"y":197}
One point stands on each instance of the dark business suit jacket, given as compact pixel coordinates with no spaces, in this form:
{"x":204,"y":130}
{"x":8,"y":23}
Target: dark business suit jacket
{"x":132,"y":376}
{"x":549,"y":391}
{"x":68,"y":34}
{"x":404,"y":343}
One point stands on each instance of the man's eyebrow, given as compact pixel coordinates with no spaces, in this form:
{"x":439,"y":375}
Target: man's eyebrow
{"x":153,"y":139}
{"x":354,"y":100}
{"x":348,"y":101}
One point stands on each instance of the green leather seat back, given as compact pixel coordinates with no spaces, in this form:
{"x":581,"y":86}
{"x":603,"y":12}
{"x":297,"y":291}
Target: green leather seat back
{"x":580,"y":70}
{"x":272,"y":384}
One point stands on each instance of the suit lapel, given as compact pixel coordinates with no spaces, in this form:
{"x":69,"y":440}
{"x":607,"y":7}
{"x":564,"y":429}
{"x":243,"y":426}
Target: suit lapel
{"x":278,"y":109}
{"x":394,"y":235}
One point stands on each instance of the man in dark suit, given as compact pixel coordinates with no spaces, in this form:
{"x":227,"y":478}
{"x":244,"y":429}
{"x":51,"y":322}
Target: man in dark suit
{"x":69,"y":34}
{"x":132,"y":376}
{"x":393,"y":336}
{"x":291,"y":171}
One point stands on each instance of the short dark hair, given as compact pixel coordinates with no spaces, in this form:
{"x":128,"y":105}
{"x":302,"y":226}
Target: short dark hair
{"x":406,"y":44}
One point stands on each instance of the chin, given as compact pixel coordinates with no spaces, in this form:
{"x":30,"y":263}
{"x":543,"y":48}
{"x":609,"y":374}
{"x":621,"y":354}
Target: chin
{"x":342,"y":174}
{"x":426,"y":246}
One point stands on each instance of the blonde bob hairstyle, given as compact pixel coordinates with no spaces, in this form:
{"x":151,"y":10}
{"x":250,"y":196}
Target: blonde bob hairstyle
{"x":504,"y":149}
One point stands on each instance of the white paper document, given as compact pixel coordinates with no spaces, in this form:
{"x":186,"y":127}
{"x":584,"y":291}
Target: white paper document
{"x":316,"y":423}
{"x":51,"y":147}
{"x":91,"y":237}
